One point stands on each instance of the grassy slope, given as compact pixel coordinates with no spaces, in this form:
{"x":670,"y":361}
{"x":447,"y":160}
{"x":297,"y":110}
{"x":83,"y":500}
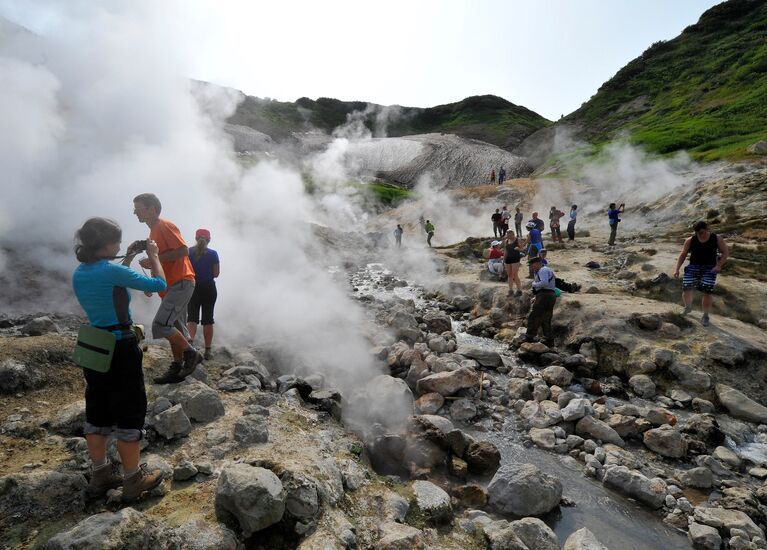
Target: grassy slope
{"x":703,"y":91}
{"x":487,"y":117}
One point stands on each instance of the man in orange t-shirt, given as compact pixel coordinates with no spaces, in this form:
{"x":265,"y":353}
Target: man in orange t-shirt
{"x":170,"y":320}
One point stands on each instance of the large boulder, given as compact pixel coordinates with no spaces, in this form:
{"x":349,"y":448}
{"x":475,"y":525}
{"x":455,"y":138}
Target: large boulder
{"x":666,"y":441}
{"x":438,"y":322}
{"x":524,"y":490}
{"x":198,"y":534}
{"x":486,"y":358}
{"x":557,"y":376}
{"x":385,"y":400}
{"x":576,"y":409}
{"x":16,"y":376}
{"x":39,"y":326}
{"x":126,"y":528}
{"x":704,"y":537}
{"x":535,"y":534}
{"x":500,"y":536}
{"x":250,"y":429}
{"x":449,"y":382}
{"x":302,"y":499}
{"x":253,"y":497}
{"x":690,"y":377}
{"x":39,"y":495}
{"x":739,"y":405}
{"x":651,"y":492}
{"x":583,"y":539}
{"x":482,"y":457}
{"x":588,"y":426}
{"x":433,"y":502}
{"x":171,"y":423}
{"x":200,"y":402}
{"x":396,"y":536}
{"x":642,"y":385}
{"x":722,"y":518}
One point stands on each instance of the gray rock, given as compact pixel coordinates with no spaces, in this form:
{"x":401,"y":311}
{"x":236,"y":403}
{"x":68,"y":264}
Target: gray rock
{"x":739,"y":405}
{"x":16,"y":376}
{"x":70,"y":420}
{"x":541,"y":415}
{"x":126,"y":528}
{"x":651,"y":492}
{"x":486,"y":358}
{"x":642,"y":385}
{"x":663,"y":357}
{"x":500,"y":536}
{"x":535,"y":534}
{"x":396,"y":507}
{"x":519,"y":388}
{"x":432,"y":501}
{"x":250,"y":429}
{"x":666,"y":441}
{"x":438,"y":322}
{"x":727,"y":519}
{"x":725,"y":455}
{"x":200,"y":402}
{"x":462,"y":410}
{"x":690,"y":377}
{"x":702,"y":405}
{"x":251,"y":496}
{"x":524,"y":490}
{"x":429,"y":403}
{"x":327,"y":400}
{"x":482,"y":457}
{"x":354,"y":476}
{"x":589,"y":426}
{"x":462,"y":303}
{"x":39,"y":495}
{"x":39,"y":326}
{"x":385,"y":400}
{"x":758,"y":148}
{"x":171,"y":423}
{"x":448,"y":383}
{"x":395,"y":536}
{"x":543,"y":438}
{"x":577,"y":409}
{"x":184,"y":470}
{"x":558,"y":376}
{"x":330,"y":481}
{"x":583,"y":539}
{"x":302,"y":499}
{"x":197,"y":534}
{"x":699,"y":478}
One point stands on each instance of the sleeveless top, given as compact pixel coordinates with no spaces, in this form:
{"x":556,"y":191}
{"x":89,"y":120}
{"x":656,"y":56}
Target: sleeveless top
{"x":513,"y":254}
{"x":703,"y":253}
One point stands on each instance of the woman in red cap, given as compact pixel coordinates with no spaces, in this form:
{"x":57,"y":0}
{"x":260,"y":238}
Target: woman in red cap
{"x":206,"y":269}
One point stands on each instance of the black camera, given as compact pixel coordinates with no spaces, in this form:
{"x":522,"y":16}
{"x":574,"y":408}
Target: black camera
{"x":140,"y":246}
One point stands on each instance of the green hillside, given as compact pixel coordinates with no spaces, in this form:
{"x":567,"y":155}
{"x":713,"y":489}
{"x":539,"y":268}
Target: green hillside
{"x":488,"y":118}
{"x":704,"y":91}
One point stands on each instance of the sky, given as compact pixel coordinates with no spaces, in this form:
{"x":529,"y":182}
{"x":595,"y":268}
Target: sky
{"x":548,"y":55}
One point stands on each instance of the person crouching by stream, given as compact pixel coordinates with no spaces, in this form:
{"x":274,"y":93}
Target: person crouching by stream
{"x":206,"y":269}
{"x":115,"y":400}
{"x":542,"y":310}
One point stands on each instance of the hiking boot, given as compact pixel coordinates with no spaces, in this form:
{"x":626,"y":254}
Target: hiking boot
{"x":102,"y":479}
{"x":704,"y":320}
{"x":687,"y":309}
{"x":518,"y":293}
{"x":143,"y":480}
{"x":192,"y":358}
{"x":208,"y":354}
{"x":170,"y":376}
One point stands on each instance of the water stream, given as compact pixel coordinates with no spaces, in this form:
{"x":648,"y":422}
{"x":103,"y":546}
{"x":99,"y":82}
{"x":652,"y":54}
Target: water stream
{"x":619,"y":523}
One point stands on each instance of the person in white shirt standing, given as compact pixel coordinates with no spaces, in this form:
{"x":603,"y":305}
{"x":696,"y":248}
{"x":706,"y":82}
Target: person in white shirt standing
{"x":542,"y":310}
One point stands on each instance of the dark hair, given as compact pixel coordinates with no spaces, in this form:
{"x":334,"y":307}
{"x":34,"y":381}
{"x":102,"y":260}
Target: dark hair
{"x":149,"y":199}
{"x":94,"y":235}
{"x":534,"y":260}
{"x":574,"y":207}
{"x":612,"y":205}
{"x":699,"y":225}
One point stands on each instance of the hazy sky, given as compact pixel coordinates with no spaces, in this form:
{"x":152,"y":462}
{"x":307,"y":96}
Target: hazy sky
{"x":548,"y":55}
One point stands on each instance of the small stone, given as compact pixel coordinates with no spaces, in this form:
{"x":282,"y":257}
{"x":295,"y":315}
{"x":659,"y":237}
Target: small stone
{"x":184,"y":470}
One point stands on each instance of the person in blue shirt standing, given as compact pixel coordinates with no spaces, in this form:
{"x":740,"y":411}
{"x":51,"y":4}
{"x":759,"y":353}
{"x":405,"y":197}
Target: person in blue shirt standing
{"x":115,"y":401}
{"x":206,"y":269}
{"x":614,"y":220}
{"x":535,"y":240}
{"x":571,"y":223}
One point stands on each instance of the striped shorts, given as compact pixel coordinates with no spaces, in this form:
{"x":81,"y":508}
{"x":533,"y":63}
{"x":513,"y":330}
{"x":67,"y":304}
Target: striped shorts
{"x":700,"y":277}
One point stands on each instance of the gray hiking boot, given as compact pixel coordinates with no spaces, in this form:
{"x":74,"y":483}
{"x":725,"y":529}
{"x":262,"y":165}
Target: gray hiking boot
{"x":143,"y":480}
{"x":102,"y":479}
{"x":192,"y":358}
{"x":170,"y":376}
{"x":704,"y":320}
{"x":687,"y":309}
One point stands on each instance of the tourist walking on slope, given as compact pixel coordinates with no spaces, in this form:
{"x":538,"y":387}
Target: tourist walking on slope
{"x":505,"y":217}
{"x":554,"y":216}
{"x":170,"y":320}
{"x":115,"y":400}
{"x":497,"y":219}
{"x":703,"y":268}
{"x":492,"y":176}
{"x":398,"y":235}
{"x":429,"y":228}
{"x":542,"y":310}
{"x":501,"y":176}
{"x":206,"y":269}
{"x":518,"y":217}
{"x":614,"y":220}
{"x":512,"y":257}
{"x":571,"y":223}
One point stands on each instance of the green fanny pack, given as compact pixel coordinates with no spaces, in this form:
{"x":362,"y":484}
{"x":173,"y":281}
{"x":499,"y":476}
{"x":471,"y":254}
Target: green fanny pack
{"x":95,"y":348}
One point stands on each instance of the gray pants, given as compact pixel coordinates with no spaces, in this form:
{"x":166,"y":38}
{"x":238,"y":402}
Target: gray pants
{"x":173,"y":310}
{"x":613,"y":232}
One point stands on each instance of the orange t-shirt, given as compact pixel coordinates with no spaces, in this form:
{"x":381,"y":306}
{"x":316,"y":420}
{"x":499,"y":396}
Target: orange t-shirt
{"x":168,"y":237}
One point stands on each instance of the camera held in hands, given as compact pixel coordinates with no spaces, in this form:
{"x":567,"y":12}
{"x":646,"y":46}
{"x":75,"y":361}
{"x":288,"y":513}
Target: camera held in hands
{"x":138,"y":246}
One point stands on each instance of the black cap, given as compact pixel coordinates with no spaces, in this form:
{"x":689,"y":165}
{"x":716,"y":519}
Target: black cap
{"x":534,"y":260}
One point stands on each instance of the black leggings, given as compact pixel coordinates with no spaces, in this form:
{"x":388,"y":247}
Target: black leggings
{"x":204,"y":298}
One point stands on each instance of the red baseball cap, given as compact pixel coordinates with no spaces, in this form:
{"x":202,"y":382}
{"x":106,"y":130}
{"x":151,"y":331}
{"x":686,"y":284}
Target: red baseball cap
{"x":202,"y":233}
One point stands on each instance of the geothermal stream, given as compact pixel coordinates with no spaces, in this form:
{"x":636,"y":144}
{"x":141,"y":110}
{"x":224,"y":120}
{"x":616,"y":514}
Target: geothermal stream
{"x":615,"y":520}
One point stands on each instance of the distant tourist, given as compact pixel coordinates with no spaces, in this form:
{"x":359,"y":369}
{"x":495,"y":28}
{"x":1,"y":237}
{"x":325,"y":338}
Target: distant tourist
{"x":429,"y":228}
{"x":422,"y":222}
{"x":701,"y":272}
{"x":538,"y":222}
{"x":518,"y":217}
{"x":614,"y":220}
{"x":115,"y":400}
{"x":512,"y":257}
{"x":542,"y":310}
{"x":501,"y":176}
{"x":497,"y":220}
{"x":170,"y":320}
{"x":206,"y":269}
{"x":492,"y":176}
{"x":571,"y":223}
{"x":398,"y":235}
{"x":554,"y":216}
{"x":495,"y":258}
{"x":505,"y":216}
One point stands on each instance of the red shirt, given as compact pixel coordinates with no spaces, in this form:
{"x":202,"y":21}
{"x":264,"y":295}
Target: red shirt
{"x":495,"y":253}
